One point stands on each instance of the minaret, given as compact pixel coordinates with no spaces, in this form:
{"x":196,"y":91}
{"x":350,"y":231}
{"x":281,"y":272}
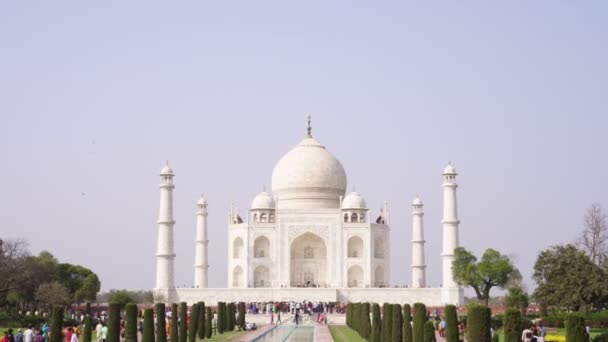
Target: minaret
{"x":450,"y":231}
{"x":165,"y":256}
{"x":418,"y":265}
{"x":200,"y":261}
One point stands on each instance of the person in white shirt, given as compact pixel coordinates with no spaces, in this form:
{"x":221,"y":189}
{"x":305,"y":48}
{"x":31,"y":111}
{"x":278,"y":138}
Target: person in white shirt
{"x":74,"y":336}
{"x":28,"y":335}
{"x":98,"y":331}
{"x":526,"y":335}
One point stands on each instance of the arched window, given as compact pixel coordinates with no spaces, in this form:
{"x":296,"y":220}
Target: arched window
{"x":355,"y":247}
{"x":309,"y":253}
{"x":263,"y":217}
{"x":271,"y":218}
{"x":237,"y":277}
{"x":237,"y":248}
{"x":346,"y":217}
{"x":261,"y":247}
{"x":362,"y":217}
{"x":353,"y":217}
{"x":255,"y":217}
{"x":379,"y":248}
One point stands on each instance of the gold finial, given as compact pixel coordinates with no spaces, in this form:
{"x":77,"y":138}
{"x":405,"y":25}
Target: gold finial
{"x":309,"y":128}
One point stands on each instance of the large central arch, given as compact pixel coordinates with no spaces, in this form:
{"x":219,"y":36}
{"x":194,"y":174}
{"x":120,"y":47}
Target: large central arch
{"x":308,"y":261}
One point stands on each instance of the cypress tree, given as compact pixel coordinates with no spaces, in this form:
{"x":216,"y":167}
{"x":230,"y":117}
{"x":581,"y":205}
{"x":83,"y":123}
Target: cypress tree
{"x":161,"y":323}
{"x":194,"y":312}
{"x":240,"y":320}
{"x":87,"y":308}
{"x":148,"y":326}
{"x":451,"y":324}
{"x":575,"y":328}
{"x":407,"y":323}
{"x":183,"y":322}
{"x":131,"y":323}
{"x":429,"y":331}
{"x":387,"y":322}
{"x":356,"y":317}
{"x":349,"y":310}
{"x":174,"y":324}
{"x":220,"y":317}
{"x":201,"y":321}
{"x":513,"y":325}
{"x":366,"y":324}
{"x":397,"y":328}
{"x":232,"y":316}
{"x":208,"y":323}
{"x":419,"y":319}
{"x":478,"y":324}
{"x":227,"y":314}
{"x":56,"y":324}
{"x":114,"y":323}
{"x":376,"y":323}
{"x":88,"y":333}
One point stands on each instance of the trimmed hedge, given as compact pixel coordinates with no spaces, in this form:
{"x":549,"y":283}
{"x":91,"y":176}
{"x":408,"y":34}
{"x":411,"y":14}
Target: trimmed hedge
{"x":201,"y":321}
{"x":131,"y":323}
{"x":419,"y":319}
{"x":513,"y":325}
{"x":56,"y":324}
{"x":148,"y":326}
{"x":429,"y":331}
{"x":221,"y":310}
{"x":208,"y":323}
{"x":376,"y":324}
{"x":397,"y":325}
{"x":194,"y":312}
{"x":407,"y":323}
{"x":240,"y":319}
{"x":114,"y":323}
{"x":387,"y":322}
{"x":478,"y":324}
{"x":161,"y":323}
{"x":451,"y":324}
{"x":174,"y":337}
{"x":575,"y":328}
{"x":88,"y":331}
{"x":183,"y":318}
{"x":366,"y":325}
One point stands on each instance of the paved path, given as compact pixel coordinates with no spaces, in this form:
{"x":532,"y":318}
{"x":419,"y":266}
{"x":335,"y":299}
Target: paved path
{"x":322,"y":334}
{"x":250,"y":335}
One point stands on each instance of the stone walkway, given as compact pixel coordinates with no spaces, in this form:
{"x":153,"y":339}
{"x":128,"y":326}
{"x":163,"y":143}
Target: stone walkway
{"x":251,"y":335}
{"x":322,"y":334}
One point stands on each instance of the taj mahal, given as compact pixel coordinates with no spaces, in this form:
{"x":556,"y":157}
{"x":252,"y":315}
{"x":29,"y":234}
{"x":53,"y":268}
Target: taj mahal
{"x":307,"y":239}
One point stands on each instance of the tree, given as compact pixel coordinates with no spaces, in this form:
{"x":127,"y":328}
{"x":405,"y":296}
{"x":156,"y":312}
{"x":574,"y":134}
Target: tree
{"x":365,"y":323}
{"x":12,"y":257}
{"x":397,"y":328}
{"x":451,"y":324}
{"x":148,"y":335}
{"x":567,"y":278}
{"x":518,"y":299}
{"x":88,"y":333}
{"x":183,"y":317}
{"x":513,"y":325}
{"x":594,"y":237}
{"x":429,"y":332}
{"x":131,"y":323}
{"x":201,"y":321}
{"x":52,"y":294}
{"x":478,"y":323}
{"x":56,"y":324}
{"x":376,"y":323}
{"x":387,"y":322}
{"x":174,"y":324}
{"x":208,"y":322}
{"x":407,"y":323}
{"x":114,"y":322}
{"x":240,"y":320}
{"x":575,"y":328}
{"x":419,"y":319}
{"x":161,"y":322}
{"x":80,"y":281}
{"x":194,"y":312}
{"x":493,"y":270}
{"x":123,"y":297}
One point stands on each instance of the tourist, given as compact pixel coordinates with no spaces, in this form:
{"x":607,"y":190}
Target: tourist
{"x":5,"y":337}
{"x":527,"y":334}
{"x":38,"y":337}
{"x":68,"y":334}
{"x":442,"y":327}
{"x":461,"y":330}
{"x":104,"y":332}
{"x":45,"y":332}
{"x":98,"y":331}
{"x":10,"y":336}
{"x":74,"y":335}
{"x":19,"y":336}
{"x":278,"y":317}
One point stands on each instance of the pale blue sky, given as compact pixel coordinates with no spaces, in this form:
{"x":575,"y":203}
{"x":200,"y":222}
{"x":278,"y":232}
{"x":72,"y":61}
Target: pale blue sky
{"x":94,"y":97}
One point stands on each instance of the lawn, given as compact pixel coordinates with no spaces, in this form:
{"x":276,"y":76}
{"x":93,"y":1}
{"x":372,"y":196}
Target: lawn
{"x":227,"y":336}
{"x":342,"y":333}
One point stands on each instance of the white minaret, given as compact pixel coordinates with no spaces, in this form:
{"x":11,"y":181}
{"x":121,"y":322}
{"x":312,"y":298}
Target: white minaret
{"x":200,"y":260}
{"x":165,"y":256}
{"x":418,"y":265}
{"x":450,"y":233}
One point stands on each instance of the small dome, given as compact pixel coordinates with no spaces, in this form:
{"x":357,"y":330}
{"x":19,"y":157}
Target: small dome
{"x":166,"y":170}
{"x":449,"y":170}
{"x":354,"y":200}
{"x":417,"y":201}
{"x":263,"y":201}
{"x":202,"y":201}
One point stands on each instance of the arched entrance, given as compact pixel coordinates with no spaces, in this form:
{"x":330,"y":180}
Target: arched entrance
{"x":261,"y":277}
{"x":237,"y":277}
{"x":308,"y":261}
{"x":355,"y":276}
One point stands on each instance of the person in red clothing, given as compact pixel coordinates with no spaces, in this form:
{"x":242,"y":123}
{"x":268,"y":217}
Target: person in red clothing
{"x":68,"y":334}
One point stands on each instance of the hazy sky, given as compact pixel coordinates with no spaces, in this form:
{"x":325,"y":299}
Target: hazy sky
{"x":94,"y":97}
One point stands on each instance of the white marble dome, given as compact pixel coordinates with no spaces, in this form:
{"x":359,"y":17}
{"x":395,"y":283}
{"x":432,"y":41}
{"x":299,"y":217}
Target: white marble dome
{"x":166,"y":170}
{"x":262,"y":201}
{"x":354,"y":200}
{"x":308,"y":176}
{"x":449,"y":170}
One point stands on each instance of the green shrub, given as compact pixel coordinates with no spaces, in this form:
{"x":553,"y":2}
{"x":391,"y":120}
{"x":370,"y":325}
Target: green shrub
{"x":376,"y":323}
{"x":451,"y":324}
{"x":131,"y":323}
{"x":174,"y":324}
{"x":495,"y":338}
{"x":601,"y":338}
{"x":575,"y":328}
{"x":148,"y":326}
{"x":201,"y":321}
{"x":513,"y":325}
{"x":208,"y":323}
{"x":220,"y":317}
{"x":229,"y":317}
{"x":88,"y":333}
{"x":56,"y":324}
{"x":478,"y":324}
{"x":407,"y":323}
{"x":429,"y":331}
{"x":419,"y":319}
{"x":194,"y":312}
{"x":397,"y":326}
{"x":240,"y":320}
{"x":357,"y":317}
{"x":183,"y":318}
{"x":161,"y":323}
{"x":365,"y":322}
{"x":387,"y":322}
{"x":114,"y":322}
